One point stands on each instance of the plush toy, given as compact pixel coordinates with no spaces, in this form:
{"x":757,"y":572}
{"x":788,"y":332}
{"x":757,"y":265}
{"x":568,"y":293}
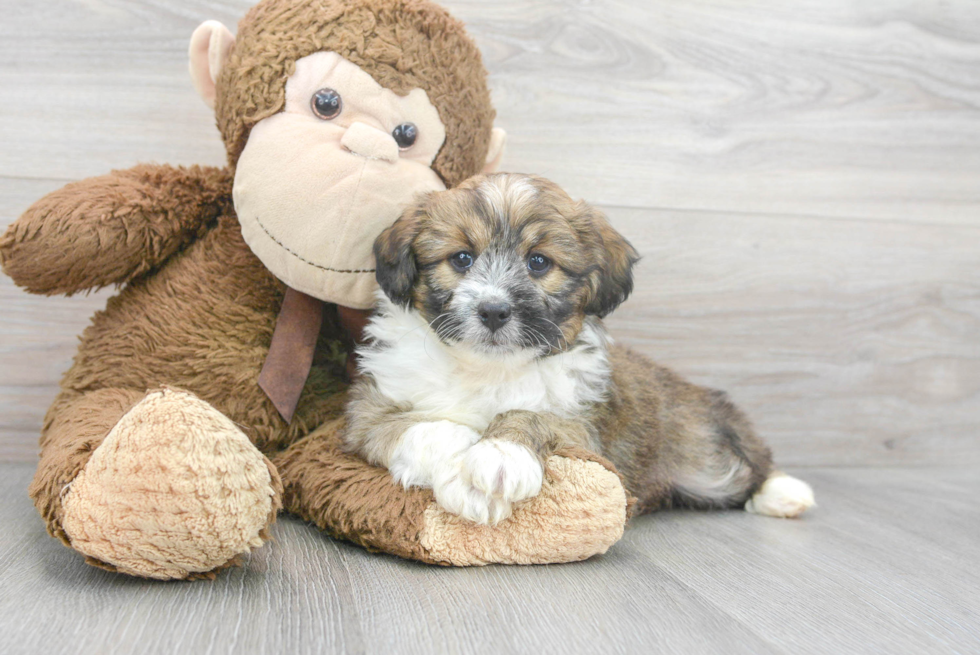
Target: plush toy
{"x":209,"y":393}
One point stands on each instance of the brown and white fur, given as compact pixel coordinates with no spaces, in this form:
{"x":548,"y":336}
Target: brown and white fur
{"x":478,"y":365}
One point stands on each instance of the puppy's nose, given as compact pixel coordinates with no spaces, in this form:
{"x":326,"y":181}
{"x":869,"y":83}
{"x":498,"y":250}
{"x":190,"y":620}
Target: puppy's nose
{"x":494,"y":314}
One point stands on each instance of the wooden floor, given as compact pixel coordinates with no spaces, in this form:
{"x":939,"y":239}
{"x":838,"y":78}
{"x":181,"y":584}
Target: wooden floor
{"x":886,"y":564}
{"x":802,"y":178}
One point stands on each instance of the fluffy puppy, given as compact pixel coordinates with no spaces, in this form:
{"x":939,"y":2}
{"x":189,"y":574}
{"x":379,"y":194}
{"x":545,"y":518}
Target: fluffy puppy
{"x":487,"y":353}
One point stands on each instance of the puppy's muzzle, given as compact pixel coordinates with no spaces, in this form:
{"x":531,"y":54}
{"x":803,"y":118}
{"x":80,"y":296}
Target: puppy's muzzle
{"x":494,"y":315}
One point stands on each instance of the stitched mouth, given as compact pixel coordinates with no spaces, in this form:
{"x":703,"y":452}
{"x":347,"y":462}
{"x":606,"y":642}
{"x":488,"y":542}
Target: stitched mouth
{"x":306,"y":261}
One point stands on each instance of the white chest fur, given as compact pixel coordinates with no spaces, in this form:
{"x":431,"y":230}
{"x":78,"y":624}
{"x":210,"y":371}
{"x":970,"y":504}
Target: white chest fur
{"x":411,"y":365}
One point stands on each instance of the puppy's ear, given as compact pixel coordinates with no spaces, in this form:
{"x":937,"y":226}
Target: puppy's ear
{"x":612,"y":283}
{"x":395,"y":267}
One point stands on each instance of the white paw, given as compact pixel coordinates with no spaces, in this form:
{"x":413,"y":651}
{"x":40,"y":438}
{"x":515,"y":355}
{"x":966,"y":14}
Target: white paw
{"x":782,"y":496}
{"x":503,"y":469}
{"x":457,"y":496}
{"x":429,"y":452}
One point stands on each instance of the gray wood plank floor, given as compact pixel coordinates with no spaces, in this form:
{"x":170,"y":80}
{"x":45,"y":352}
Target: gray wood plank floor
{"x":803,"y":180}
{"x":885,"y":564}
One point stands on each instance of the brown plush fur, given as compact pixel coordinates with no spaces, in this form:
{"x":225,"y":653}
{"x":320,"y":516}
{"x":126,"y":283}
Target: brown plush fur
{"x":111,"y":229}
{"x":198,"y":308}
{"x":402,"y":44}
{"x":203,"y":322}
{"x":349,"y":500}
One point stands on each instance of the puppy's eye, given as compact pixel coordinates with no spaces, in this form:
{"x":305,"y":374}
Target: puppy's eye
{"x":405,"y":135}
{"x":326,"y":104}
{"x":461,"y":260}
{"x":538,"y":263}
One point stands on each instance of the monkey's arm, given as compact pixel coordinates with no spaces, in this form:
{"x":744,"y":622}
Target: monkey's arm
{"x":109,"y":229}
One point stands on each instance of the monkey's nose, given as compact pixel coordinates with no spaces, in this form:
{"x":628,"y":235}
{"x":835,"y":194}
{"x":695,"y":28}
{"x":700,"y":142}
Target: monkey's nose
{"x":366,"y":141}
{"x":494,"y":314}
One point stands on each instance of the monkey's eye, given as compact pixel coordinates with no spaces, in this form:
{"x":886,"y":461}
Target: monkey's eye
{"x":461,"y":260}
{"x":326,"y":104}
{"x":538,"y":263}
{"x":405,"y":135}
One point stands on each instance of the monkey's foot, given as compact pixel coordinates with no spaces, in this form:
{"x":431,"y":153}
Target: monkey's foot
{"x":175,"y":490}
{"x":580,"y":511}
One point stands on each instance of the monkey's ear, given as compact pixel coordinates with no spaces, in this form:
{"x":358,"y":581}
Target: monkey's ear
{"x":210,"y":46}
{"x":395,"y":267}
{"x":613,"y":282}
{"x":498,"y":138}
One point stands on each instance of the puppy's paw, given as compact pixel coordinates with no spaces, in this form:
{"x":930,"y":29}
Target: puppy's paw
{"x":457,"y":496}
{"x":781,"y":496}
{"x":504,"y":470}
{"x":429,"y":452}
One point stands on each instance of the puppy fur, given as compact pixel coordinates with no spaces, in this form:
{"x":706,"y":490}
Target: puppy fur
{"x":487,"y":353}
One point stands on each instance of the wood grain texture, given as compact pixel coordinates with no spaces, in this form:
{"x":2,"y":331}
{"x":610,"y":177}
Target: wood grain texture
{"x":802,"y":177}
{"x":848,"y":342}
{"x":869,"y":571}
{"x":884,"y":564}
{"x":815,"y":107}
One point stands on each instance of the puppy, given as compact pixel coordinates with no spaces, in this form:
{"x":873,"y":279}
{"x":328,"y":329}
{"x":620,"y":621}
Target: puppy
{"x":487,"y":353}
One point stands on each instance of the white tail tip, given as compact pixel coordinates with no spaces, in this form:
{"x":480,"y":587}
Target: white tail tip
{"x":782,"y":496}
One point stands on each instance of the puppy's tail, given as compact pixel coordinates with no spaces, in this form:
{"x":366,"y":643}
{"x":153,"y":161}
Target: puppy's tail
{"x":782,"y":496}
{"x":737,"y":470}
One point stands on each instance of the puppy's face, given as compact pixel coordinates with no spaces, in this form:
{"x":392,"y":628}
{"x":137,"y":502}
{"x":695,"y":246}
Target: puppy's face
{"x":505,"y":263}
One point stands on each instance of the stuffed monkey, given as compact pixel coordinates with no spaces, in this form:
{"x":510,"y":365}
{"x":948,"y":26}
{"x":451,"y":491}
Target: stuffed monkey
{"x":209,"y":393}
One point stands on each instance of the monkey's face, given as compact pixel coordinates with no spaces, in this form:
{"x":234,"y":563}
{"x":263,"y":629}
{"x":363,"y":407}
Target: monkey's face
{"x":317,"y":182}
{"x":336,"y":115}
